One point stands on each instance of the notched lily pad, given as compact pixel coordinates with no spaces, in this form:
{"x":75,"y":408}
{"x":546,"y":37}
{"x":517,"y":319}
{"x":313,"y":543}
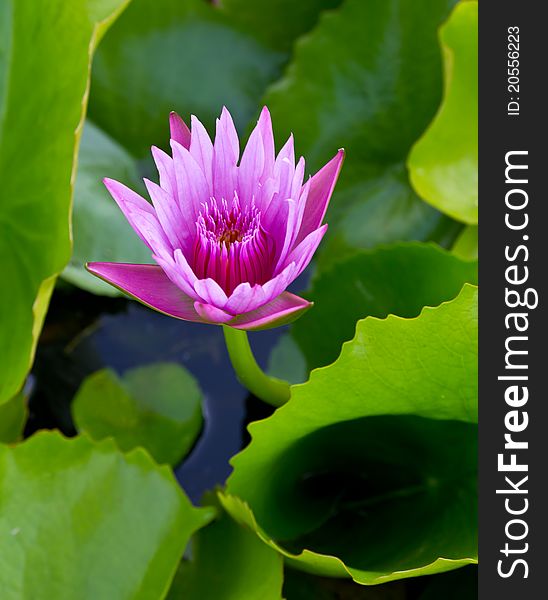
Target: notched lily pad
{"x":369,"y":470}
{"x":399,"y":279}
{"x":228,"y":561}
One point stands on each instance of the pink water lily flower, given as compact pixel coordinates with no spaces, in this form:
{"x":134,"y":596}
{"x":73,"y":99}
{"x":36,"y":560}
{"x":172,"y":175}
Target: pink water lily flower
{"x":228,"y":234}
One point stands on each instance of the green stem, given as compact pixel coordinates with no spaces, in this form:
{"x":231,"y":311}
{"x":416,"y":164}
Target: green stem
{"x":269,"y":389}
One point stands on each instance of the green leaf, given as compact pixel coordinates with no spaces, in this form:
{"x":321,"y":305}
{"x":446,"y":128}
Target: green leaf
{"x":367,"y":78}
{"x":286,"y":361}
{"x":228,"y":562}
{"x":269,"y":20}
{"x":100,"y":230}
{"x":466,"y":245}
{"x":369,"y":470}
{"x":372,"y":211}
{"x":45,"y":52}
{"x":81,"y":520}
{"x":171,"y":55}
{"x":156,"y":406}
{"x":13,"y":416}
{"x":444,"y":162}
{"x":399,"y":279}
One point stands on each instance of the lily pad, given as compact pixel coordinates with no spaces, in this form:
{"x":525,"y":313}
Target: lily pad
{"x":400,"y":279}
{"x":443,"y":164}
{"x":367,"y":78}
{"x":171,"y":55}
{"x":100,"y":230}
{"x":82,"y":520}
{"x":369,"y":471}
{"x":286,"y":361}
{"x":13,"y":415}
{"x":229,"y":562}
{"x":269,"y":20}
{"x":157,"y":407}
{"x":41,"y":118}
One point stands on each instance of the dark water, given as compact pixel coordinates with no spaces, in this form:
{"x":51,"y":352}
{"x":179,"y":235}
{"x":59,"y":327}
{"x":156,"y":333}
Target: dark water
{"x":140,"y":336}
{"x":84,"y":333}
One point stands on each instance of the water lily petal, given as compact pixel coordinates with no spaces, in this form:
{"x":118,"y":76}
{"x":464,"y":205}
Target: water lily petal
{"x":303,"y":253}
{"x":176,"y":267}
{"x":168,"y":212}
{"x":285,"y":235}
{"x":211,"y":292}
{"x":212,"y":314}
{"x":297,"y":181}
{"x":287,"y":153}
{"x":201,"y":149}
{"x":179,"y":130}
{"x":226,"y":152}
{"x":251,"y":167}
{"x":264,"y":126}
{"x":166,"y":171}
{"x":140,"y":214}
{"x":284,"y":309}
{"x":192,"y":186}
{"x":284,"y":168}
{"x":278,"y":284}
{"x":321,"y":188}
{"x":245,"y":298}
{"x":149,"y":285}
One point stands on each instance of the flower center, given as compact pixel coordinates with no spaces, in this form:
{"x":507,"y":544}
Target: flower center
{"x":230,"y":236}
{"x":231,"y":246}
{"x":226,"y":224}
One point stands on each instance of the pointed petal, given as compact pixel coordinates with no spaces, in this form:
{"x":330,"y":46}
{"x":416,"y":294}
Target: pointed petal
{"x":284,"y":168}
{"x":212,"y":314}
{"x":283,"y":232}
{"x":149,"y":285}
{"x":251,"y":167}
{"x":192,"y":188}
{"x":179,"y":130}
{"x":225,"y":157}
{"x":297,"y":182}
{"x":201,"y":149}
{"x":245,"y":298}
{"x":267,"y":192}
{"x":304,"y":252}
{"x":321,"y":188}
{"x":287,"y":153}
{"x":282,"y":310}
{"x":168,"y":213}
{"x":140,"y":214}
{"x":166,"y":171}
{"x":264,"y":126}
{"x":279,"y":284}
{"x":211,"y":292}
{"x":229,"y":133}
{"x":178,"y":270}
